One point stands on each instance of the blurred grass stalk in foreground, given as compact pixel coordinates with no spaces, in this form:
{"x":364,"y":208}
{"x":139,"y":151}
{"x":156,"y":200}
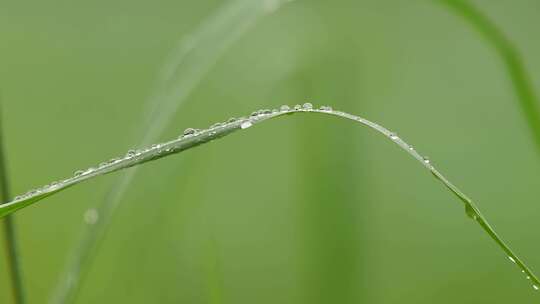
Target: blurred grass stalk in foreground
{"x":505,"y":48}
{"x":10,"y":232}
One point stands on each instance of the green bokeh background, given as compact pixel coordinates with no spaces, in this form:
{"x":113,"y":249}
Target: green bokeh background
{"x":298,"y":210}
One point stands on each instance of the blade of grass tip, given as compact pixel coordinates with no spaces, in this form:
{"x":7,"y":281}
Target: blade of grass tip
{"x":185,"y":68}
{"x":196,"y":138}
{"x":10,"y":233}
{"x":511,"y":58}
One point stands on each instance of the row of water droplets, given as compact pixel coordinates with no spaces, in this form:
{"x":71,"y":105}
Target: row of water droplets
{"x":134,"y":154}
{"x":91,"y":216}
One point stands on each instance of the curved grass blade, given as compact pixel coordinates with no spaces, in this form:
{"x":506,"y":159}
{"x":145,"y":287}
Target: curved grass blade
{"x":527,"y":98}
{"x":193,"y":138}
{"x":185,"y":68}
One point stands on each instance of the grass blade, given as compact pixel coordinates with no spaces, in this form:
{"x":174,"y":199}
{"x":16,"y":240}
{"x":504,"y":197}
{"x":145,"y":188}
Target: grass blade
{"x":511,"y":58}
{"x":187,"y":65}
{"x":193,"y":138}
{"x":15,"y":271}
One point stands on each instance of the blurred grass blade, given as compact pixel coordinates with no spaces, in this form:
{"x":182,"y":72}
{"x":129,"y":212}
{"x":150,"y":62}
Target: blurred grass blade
{"x":511,"y":58}
{"x":10,"y":235}
{"x":187,"y":65}
{"x":195,"y":55}
{"x":194,"y":138}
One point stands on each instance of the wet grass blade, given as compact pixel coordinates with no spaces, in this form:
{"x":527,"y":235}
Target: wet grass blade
{"x":193,"y":138}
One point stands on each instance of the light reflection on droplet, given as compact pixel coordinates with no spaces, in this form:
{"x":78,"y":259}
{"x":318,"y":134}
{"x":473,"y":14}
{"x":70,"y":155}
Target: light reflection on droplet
{"x":246,"y":124}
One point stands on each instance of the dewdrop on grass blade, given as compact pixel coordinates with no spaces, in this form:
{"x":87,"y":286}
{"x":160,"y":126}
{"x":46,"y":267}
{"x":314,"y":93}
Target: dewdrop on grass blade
{"x":246,"y":124}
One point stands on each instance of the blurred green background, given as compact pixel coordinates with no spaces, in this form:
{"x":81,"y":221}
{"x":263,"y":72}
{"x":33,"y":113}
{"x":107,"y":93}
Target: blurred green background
{"x":298,"y":210}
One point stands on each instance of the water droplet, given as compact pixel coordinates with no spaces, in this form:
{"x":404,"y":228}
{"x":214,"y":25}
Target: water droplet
{"x":470,"y":212}
{"x":246,"y":124}
{"x":535,"y":287}
{"x":89,"y":170}
{"x":511,"y":259}
{"x":284,"y":108}
{"x":131,"y":153}
{"x":325,"y":108}
{"x":411,"y":148}
{"x":426,"y":160}
{"x":307,"y":106}
{"x":189,"y":131}
{"x":78,"y":173}
{"x":91,"y":216}
{"x":297,"y":107}
{"x":394,"y":136}
{"x":216,"y":125}
{"x":265,"y":111}
{"x":231,"y":120}
{"x":528,"y":277}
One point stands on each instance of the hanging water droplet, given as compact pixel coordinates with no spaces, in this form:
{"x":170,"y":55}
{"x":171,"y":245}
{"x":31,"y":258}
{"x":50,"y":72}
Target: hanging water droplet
{"x":307,"y":106}
{"x":511,"y":259}
{"x":246,"y":124}
{"x":91,"y":216}
{"x":189,"y":131}
{"x":470,"y":212}
{"x":284,"y":108}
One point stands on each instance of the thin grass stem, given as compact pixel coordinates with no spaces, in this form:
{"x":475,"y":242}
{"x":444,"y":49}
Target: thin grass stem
{"x":10,"y":233}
